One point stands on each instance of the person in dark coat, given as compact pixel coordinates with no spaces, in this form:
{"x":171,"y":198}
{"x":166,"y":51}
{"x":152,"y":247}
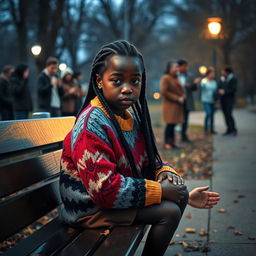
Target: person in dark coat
{"x":50,"y":91}
{"x":189,"y":87}
{"x":21,"y":92}
{"x":227,"y":90}
{"x":6,"y":98}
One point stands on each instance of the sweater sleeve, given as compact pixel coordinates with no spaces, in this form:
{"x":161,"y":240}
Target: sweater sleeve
{"x":166,"y":168}
{"x":166,"y":93}
{"x":96,"y":163}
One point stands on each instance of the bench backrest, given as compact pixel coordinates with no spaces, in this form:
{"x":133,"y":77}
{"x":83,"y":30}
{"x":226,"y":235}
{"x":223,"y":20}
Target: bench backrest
{"x":29,"y":170}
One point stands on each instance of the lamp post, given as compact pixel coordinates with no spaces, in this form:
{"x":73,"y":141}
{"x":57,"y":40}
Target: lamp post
{"x":214,"y":29}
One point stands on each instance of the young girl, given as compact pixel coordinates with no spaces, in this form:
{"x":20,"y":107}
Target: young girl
{"x":209,"y":87}
{"x":111,"y":171}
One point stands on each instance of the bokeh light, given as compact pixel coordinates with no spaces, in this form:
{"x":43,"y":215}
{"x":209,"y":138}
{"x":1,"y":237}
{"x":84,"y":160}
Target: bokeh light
{"x":156,"y":95}
{"x":202,"y":70}
{"x":62,"y":66}
{"x":36,"y":50}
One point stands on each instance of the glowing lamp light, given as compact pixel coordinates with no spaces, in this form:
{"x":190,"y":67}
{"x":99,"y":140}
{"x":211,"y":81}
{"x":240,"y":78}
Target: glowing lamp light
{"x":202,"y":70}
{"x":36,"y":50}
{"x":156,"y":95}
{"x":62,"y":66}
{"x":214,"y":26}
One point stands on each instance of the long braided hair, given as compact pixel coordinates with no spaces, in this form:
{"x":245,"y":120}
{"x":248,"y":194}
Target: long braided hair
{"x":140,"y":108}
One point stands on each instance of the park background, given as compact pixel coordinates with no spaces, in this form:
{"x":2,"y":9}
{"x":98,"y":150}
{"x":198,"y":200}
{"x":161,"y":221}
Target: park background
{"x":163,"y":30}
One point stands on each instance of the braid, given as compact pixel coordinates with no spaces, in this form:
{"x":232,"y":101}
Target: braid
{"x":140,"y":108}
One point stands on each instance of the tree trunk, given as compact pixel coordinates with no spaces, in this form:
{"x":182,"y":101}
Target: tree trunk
{"x":49,"y":23}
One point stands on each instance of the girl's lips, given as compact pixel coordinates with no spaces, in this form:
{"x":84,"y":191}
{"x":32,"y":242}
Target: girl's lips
{"x":127,"y":101}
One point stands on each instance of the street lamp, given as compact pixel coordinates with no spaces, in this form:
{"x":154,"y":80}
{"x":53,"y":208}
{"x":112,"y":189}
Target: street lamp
{"x":36,"y":50}
{"x":214,"y":29}
{"x":214,"y":26}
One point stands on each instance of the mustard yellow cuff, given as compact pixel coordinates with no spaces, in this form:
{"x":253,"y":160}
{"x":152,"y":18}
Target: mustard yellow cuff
{"x":153,"y":192}
{"x":165,"y":168}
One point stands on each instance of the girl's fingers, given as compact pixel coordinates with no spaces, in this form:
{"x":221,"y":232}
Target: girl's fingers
{"x":213,"y":194}
{"x":213,"y":198}
{"x":170,"y":178}
{"x":211,"y":203}
{"x":201,"y":189}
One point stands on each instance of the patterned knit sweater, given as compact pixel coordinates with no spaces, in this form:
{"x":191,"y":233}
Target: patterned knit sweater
{"x":95,"y":173}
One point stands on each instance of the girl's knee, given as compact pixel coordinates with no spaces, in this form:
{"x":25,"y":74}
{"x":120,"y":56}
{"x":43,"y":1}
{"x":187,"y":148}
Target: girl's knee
{"x":170,"y":211}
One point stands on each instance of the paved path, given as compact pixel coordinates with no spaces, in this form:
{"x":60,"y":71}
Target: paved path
{"x":235,"y":179}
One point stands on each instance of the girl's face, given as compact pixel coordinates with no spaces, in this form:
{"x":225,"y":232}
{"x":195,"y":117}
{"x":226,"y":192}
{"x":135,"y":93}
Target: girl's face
{"x":121,"y":82}
{"x":211,"y":75}
{"x":174,"y":69}
{"x":68,"y":77}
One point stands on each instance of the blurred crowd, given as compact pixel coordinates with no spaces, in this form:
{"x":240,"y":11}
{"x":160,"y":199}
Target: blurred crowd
{"x":58,"y":93}
{"x":61,"y":94}
{"x":177,"y":88}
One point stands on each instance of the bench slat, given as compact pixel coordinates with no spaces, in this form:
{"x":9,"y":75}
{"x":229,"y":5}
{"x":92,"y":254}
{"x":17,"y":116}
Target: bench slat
{"x":50,"y":238}
{"x":83,"y":244}
{"x":20,"y":135}
{"x":22,"y":210}
{"x":25,"y":173}
{"x":122,"y":241}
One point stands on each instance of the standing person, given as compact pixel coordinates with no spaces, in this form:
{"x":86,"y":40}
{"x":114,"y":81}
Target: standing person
{"x":77,"y":78}
{"x":173,"y":100}
{"x":227,"y":90}
{"x":208,"y":89}
{"x":22,"y":99}
{"x":111,"y":172}
{"x":6,"y":98}
{"x":49,"y":89}
{"x":72,"y":92}
{"x":188,"y":88}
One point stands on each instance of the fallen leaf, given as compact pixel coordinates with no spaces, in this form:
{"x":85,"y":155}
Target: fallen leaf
{"x":235,"y":201}
{"x":178,"y":254}
{"x":215,"y":231}
{"x":211,"y":241}
{"x":203,"y":233}
{"x":241,"y":196}
{"x":105,"y":232}
{"x":238,"y":233}
{"x":222,"y":210}
{"x":230,"y":227}
{"x":190,"y":230}
{"x":251,"y":238}
{"x":189,"y":215}
{"x":172,"y":242}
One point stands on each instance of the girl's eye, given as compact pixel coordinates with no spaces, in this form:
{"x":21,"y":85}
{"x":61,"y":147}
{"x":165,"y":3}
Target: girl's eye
{"x":116,"y":81}
{"x":136,"y":81}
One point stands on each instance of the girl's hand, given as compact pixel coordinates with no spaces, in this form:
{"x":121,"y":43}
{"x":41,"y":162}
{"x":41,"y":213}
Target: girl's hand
{"x":172,"y":192}
{"x":200,"y":198}
{"x":171,"y":177}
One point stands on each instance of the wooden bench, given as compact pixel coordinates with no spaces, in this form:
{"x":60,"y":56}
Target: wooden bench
{"x":29,"y":189}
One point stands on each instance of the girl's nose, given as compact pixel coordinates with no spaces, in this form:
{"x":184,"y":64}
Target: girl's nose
{"x":127,"y":88}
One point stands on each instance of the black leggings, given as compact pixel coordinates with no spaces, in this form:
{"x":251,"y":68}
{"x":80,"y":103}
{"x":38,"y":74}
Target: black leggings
{"x":164,"y":218}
